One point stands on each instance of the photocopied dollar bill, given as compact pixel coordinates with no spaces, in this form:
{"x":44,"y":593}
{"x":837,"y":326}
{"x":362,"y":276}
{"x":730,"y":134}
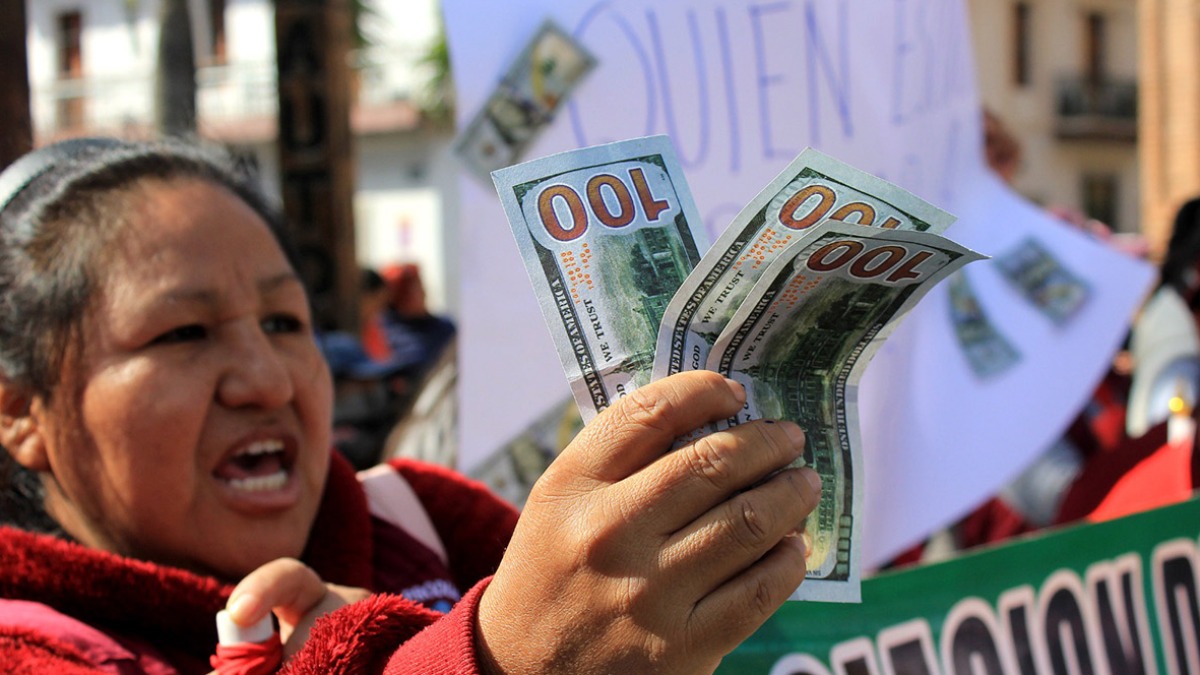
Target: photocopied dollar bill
{"x":525,"y":100}
{"x":986,"y":349}
{"x":812,"y":188}
{"x":799,"y":344}
{"x":606,"y":234}
{"x":1056,"y":291}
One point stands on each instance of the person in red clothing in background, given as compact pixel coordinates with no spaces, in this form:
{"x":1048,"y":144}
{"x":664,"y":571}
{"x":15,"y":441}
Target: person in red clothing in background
{"x":403,"y":330}
{"x":165,"y":423}
{"x":1150,"y":459}
{"x":372,"y":301}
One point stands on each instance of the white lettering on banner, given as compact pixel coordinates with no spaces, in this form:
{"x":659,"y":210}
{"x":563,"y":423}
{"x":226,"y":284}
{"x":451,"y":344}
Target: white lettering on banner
{"x":1177,"y":596}
{"x":907,"y":649}
{"x":1116,"y":588}
{"x":1067,"y":626}
{"x":854,"y":656}
{"x":799,"y":664}
{"x":971,"y":639}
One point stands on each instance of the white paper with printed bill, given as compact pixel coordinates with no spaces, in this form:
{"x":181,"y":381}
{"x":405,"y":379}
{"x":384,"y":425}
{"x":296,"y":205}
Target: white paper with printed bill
{"x":606,"y":234}
{"x":525,"y":100}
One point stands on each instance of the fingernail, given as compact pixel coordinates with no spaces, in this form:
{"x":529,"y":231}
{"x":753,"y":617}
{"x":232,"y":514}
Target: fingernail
{"x":243,"y":608}
{"x":739,"y":392}
{"x":813,"y":478}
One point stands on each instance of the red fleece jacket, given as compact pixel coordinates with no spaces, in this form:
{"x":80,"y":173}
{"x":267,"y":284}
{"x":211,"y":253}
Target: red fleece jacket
{"x":106,"y":613}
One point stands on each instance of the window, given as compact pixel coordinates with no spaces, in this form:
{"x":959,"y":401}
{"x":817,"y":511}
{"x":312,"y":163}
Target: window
{"x":70,"y":69}
{"x":216,"y":22}
{"x":1095,"y":42}
{"x":1100,"y":198}
{"x":70,"y":45}
{"x":1022,"y":39}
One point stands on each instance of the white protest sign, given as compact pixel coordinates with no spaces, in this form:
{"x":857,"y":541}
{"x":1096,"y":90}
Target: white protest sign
{"x":741,"y":87}
{"x":937,"y":427}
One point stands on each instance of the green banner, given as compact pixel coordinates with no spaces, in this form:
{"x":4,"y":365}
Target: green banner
{"x":1115,"y":598}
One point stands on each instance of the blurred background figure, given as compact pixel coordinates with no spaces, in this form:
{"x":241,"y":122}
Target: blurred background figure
{"x":394,"y":386}
{"x":404,"y":353}
{"x":400,"y":329}
{"x":1181,"y":265}
{"x":379,"y":378}
{"x":1000,"y":147}
{"x":368,"y":397}
{"x":372,"y":301}
{"x":1165,"y":347}
{"x":1003,"y":154}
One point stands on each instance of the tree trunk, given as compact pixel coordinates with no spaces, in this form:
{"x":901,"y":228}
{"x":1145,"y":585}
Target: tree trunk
{"x":316,"y":162}
{"x":175,"y":81}
{"x":15,"y":119}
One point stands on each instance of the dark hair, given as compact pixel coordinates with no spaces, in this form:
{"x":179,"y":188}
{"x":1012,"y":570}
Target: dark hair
{"x":371,"y":281}
{"x":1183,"y":251}
{"x":59,"y":205}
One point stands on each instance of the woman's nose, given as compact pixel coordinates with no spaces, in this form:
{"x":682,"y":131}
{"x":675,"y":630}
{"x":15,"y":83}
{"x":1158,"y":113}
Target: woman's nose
{"x":256,"y":373}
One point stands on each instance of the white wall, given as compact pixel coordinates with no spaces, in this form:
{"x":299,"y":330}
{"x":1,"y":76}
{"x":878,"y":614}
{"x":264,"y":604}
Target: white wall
{"x":406,"y":185}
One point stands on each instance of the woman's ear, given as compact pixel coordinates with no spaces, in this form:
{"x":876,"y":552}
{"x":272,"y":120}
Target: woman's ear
{"x":20,"y":432}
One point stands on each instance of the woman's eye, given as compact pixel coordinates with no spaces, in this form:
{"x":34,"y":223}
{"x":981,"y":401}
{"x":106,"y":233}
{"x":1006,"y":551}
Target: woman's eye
{"x":182,"y":334}
{"x":282,"y":323}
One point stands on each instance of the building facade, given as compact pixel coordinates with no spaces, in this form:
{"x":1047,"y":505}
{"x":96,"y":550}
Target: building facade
{"x":1062,"y":76}
{"x":92,"y":69}
{"x":1170,"y":120}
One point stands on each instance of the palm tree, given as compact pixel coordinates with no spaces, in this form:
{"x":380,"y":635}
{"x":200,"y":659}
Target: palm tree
{"x":315,"y":150}
{"x":437,"y":101}
{"x":360,"y":10}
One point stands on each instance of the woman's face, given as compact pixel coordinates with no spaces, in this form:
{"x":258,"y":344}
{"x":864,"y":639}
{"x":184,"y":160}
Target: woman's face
{"x":201,"y":433}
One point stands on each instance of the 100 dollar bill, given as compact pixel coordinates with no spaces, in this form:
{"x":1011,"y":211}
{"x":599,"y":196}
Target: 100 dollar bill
{"x":799,"y":344}
{"x":606,"y":237}
{"x":812,"y":188}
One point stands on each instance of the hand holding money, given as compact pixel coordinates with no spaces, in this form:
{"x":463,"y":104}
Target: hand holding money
{"x":800,"y":342}
{"x":792,"y":301}
{"x":628,"y":558}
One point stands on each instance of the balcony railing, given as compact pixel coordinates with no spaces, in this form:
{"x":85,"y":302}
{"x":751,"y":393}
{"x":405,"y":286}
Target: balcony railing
{"x":1091,"y":109}
{"x":227,"y":95}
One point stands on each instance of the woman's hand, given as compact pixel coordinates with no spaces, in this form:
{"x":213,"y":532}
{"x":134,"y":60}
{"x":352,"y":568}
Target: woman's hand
{"x":631,"y":558}
{"x":295,"y":593}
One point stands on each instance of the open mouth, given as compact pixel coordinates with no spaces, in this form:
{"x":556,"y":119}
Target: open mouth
{"x":262,"y":466}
